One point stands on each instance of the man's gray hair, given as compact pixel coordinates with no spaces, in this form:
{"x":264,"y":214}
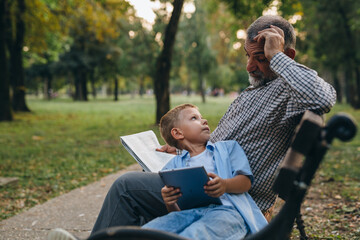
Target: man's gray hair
{"x":265,"y":21}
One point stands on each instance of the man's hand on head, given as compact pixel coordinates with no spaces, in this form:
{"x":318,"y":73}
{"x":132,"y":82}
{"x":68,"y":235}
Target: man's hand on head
{"x":273,"y":39}
{"x":168,"y":149}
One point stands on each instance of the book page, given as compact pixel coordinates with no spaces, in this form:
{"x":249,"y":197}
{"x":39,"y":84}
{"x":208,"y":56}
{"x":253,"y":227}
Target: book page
{"x":142,"y":146}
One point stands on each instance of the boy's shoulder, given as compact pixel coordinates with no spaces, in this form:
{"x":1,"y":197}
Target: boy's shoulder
{"x":226,"y":142}
{"x":229,"y":144}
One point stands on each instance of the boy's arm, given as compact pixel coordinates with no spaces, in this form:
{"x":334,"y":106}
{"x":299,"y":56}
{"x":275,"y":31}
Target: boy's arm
{"x":238,"y":184}
{"x":218,"y":186}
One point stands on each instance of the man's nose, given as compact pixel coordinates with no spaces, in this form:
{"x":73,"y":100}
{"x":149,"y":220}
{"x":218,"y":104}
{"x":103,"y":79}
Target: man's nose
{"x":251,"y":66}
{"x":205,"y":122}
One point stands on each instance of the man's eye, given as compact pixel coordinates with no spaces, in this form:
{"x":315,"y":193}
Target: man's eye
{"x":261,"y":59}
{"x":193,"y":118}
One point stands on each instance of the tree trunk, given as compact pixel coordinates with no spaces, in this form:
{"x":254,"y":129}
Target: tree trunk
{"x":350,"y":60}
{"x":188,"y":86}
{"x":202,"y":90}
{"x":80,"y":85}
{"x":70,"y":82}
{"x":116,"y":88}
{"x":84,"y":91}
{"x":201,"y":83}
{"x":16,"y":63}
{"x":142,"y":86}
{"x":163,"y":64}
{"x":47,"y":86}
{"x":337,"y":85}
{"x":350,"y":88}
{"x":5,"y":104}
{"x":92,"y":80}
{"x":201,"y":77}
{"x":357,"y":83}
{"x":76,"y":85}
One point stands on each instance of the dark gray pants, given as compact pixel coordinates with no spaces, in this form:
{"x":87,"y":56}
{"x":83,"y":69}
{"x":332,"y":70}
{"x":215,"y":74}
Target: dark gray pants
{"x":133,"y":199}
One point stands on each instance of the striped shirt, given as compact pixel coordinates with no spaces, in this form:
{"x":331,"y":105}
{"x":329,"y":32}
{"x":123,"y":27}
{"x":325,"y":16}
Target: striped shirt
{"x":263,"y":119}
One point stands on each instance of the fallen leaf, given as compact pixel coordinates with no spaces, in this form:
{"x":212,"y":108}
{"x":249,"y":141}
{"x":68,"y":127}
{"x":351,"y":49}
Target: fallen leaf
{"x":37,"y":138}
{"x":337,"y":197}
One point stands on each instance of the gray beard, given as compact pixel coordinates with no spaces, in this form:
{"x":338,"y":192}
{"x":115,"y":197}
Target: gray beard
{"x":258,"y":82}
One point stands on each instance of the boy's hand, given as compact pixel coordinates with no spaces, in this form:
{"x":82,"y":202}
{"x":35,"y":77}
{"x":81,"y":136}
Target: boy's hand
{"x":170,"y":195}
{"x":216,"y":186}
{"x":168,"y":149}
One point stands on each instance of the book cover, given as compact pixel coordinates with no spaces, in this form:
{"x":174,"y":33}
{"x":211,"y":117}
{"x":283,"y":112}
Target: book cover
{"x":142,"y":146}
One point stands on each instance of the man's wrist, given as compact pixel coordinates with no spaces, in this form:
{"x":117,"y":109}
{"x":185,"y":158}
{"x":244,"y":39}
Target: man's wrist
{"x":279,"y":62}
{"x":271,"y":55}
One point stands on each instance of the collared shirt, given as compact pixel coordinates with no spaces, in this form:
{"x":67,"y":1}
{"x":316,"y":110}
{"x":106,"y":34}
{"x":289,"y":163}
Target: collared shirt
{"x":263,"y":119}
{"x":229,"y":160}
{"x":206,"y":159}
{"x":237,"y":159}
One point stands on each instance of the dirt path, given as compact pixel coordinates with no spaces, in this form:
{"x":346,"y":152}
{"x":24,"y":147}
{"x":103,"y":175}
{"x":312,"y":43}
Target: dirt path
{"x":331,"y":210}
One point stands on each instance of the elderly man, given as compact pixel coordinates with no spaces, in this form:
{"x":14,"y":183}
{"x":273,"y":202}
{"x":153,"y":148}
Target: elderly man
{"x":261,"y":119}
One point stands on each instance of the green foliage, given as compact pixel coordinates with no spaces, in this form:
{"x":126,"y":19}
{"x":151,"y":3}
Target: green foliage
{"x":194,"y":49}
{"x":328,"y":41}
{"x":72,"y":36}
{"x":244,"y":10}
{"x":41,"y":20}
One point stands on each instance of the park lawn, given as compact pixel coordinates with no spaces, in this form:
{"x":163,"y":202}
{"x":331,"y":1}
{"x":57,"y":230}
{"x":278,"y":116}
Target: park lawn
{"x":63,"y":145}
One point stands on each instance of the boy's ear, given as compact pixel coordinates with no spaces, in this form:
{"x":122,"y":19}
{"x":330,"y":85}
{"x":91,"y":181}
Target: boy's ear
{"x":177,"y":133}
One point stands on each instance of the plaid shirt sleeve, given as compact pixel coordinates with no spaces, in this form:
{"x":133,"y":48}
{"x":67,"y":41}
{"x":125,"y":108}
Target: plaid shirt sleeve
{"x":307,"y":90}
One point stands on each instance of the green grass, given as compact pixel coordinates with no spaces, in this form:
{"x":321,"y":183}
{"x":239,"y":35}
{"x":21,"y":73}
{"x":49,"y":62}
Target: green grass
{"x":342,"y":162}
{"x":63,"y":145}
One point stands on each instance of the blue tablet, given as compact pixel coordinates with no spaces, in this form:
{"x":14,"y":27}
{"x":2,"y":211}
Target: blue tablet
{"x":191,"y":181}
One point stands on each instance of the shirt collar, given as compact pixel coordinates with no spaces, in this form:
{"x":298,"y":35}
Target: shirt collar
{"x":209,"y":146}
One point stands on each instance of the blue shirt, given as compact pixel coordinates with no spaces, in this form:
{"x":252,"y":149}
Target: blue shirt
{"x":230,"y":160}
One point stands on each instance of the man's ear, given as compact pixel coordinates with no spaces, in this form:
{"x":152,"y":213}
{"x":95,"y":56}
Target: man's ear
{"x":290,"y":52}
{"x":177,"y":133}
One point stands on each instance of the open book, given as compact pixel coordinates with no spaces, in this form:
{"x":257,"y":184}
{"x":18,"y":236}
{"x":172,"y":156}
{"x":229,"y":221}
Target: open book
{"x":142,"y":147}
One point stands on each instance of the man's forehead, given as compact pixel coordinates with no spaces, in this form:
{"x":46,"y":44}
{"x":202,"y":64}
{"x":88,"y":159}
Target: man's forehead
{"x":254,"y":47}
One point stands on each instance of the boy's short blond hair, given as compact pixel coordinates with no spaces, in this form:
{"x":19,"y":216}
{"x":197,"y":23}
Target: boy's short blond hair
{"x":169,"y":121}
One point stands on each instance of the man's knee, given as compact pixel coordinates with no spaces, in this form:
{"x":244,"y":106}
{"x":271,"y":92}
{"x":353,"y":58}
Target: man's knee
{"x":121,"y":183}
{"x":137,"y":181}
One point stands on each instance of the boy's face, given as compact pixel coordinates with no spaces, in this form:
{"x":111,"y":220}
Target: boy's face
{"x":194,"y":128}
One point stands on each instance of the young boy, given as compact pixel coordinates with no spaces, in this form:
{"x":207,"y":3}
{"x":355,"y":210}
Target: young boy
{"x":184,"y":128}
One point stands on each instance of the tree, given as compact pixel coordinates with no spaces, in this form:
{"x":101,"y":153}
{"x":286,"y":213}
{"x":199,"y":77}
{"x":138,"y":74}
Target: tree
{"x":75,"y":38}
{"x":143,"y":52}
{"x":5,"y":107}
{"x":163,"y":64}
{"x":199,"y":57}
{"x":331,"y":43}
{"x":15,"y":39}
